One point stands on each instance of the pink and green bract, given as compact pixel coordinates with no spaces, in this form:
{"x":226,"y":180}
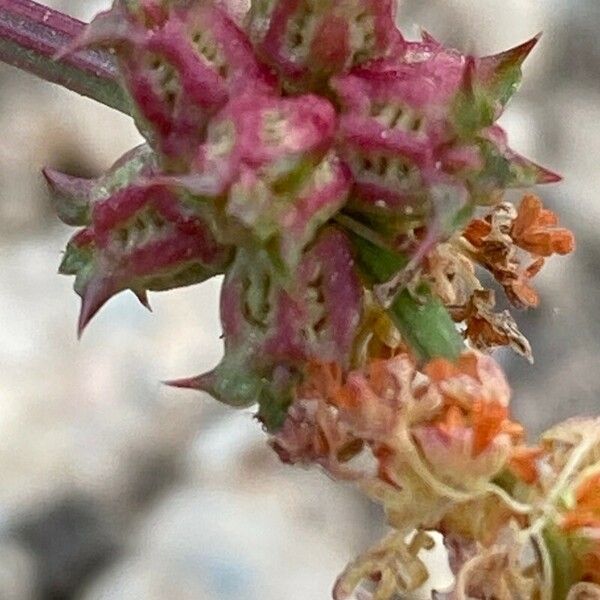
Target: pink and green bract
{"x":305,"y":150}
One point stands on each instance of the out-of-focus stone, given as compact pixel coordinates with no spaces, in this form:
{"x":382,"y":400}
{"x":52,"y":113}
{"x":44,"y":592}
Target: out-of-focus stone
{"x":18,"y":573}
{"x":66,"y":542}
{"x":137,"y":578}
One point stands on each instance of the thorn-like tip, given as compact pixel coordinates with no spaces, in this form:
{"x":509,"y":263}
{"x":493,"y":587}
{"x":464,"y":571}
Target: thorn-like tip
{"x":469,"y":72}
{"x":188,"y":383}
{"x":547,"y":176}
{"x":142,"y":296}
{"x":82,"y":323}
{"x":201,"y":383}
{"x":71,"y":196}
{"x":428,"y":38}
{"x":109,"y":26}
{"x":96,"y":295}
{"x":61,"y":183}
{"x":50,"y":175}
{"x":514,"y":56}
{"x":525,"y":49}
{"x":86,"y":314}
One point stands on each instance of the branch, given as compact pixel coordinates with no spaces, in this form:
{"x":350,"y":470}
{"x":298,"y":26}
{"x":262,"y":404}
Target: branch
{"x":30,"y":37}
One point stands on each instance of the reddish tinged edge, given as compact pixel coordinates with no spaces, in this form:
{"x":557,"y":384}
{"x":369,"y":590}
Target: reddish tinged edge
{"x":31,"y":35}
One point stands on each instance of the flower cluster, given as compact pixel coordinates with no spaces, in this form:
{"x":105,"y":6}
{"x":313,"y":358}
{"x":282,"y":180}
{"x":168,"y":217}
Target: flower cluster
{"x":283,"y":137}
{"x":438,"y":450}
{"x":338,"y":176}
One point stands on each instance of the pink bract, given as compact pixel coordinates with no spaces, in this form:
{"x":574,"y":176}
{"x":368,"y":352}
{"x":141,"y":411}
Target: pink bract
{"x":265,"y":122}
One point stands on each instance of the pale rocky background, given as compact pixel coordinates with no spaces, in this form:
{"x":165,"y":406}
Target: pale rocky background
{"x":113,"y":487}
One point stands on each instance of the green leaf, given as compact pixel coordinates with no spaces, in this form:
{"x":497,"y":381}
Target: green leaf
{"x":424,"y":324}
{"x":427,"y":327}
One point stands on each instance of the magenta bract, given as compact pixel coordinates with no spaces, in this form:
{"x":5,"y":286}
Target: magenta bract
{"x":427,"y":114}
{"x":315,"y":316}
{"x":271,"y":329}
{"x":138,"y":235}
{"x":309,"y":40}
{"x":180,"y":69}
{"x":265,"y":134}
{"x":265,"y":120}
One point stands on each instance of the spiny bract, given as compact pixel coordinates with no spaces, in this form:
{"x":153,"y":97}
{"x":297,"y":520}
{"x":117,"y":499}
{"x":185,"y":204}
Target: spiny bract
{"x":276,"y":133}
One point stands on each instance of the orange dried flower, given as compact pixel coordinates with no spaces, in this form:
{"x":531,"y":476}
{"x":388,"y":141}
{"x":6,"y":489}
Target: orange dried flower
{"x":322,"y":380}
{"x":536,"y":230}
{"x":313,"y":431}
{"x":472,"y":376}
{"x":518,"y":288}
{"x":471,"y":437}
{"x":489,"y":419}
{"x":586,"y":512}
{"x":523,"y":463}
{"x":498,"y":240}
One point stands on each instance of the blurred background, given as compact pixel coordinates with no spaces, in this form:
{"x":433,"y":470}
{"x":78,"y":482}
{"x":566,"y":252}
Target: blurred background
{"x":115,"y":487}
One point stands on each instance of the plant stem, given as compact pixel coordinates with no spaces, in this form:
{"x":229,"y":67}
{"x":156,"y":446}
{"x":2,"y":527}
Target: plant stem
{"x":31,"y":35}
{"x":425,"y":326}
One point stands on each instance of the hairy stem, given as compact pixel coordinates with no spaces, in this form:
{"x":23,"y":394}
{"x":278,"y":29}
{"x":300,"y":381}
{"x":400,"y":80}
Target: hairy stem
{"x":31,"y":35}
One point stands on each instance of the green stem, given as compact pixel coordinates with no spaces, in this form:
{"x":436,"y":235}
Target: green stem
{"x":564,"y":568}
{"x":424,"y":324}
{"x":31,"y":35}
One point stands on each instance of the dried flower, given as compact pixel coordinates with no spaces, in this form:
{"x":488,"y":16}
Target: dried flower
{"x":486,"y":329}
{"x":536,"y":230}
{"x":437,"y":436}
{"x":496,"y":239}
{"x":584,"y":591}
